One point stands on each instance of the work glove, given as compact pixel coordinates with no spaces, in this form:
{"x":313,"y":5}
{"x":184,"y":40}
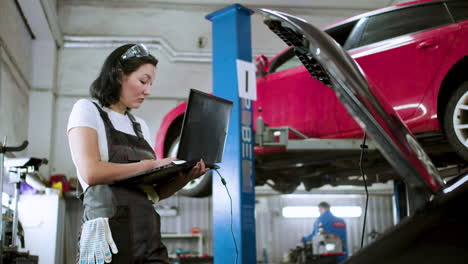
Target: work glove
{"x":96,"y":242}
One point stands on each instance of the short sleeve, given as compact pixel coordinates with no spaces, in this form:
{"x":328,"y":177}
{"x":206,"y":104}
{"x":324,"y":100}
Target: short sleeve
{"x":83,"y":114}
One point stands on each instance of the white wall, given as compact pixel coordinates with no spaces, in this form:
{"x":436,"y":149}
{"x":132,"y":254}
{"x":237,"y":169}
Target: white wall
{"x":27,"y":76}
{"x":273,"y":232}
{"x":15,"y":62}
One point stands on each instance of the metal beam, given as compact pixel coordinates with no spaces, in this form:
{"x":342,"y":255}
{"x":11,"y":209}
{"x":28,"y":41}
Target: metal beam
{"x":234,"y":229}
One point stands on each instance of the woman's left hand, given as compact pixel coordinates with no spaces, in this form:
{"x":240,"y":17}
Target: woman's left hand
{"x":198,"y":170}
{"x":166,"y":190}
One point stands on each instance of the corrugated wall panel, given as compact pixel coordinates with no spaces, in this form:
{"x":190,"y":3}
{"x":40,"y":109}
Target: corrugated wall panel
{"x":275,"y":234}
{"x":73,"y":213}
{"x":192,"y":212}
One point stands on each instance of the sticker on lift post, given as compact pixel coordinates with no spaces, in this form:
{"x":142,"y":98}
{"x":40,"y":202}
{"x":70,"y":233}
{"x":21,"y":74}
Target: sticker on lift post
{"x":246,"y":82}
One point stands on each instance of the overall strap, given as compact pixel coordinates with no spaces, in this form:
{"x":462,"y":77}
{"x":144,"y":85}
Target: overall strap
{"x":104,"y":116}
{"x":136,"y":126}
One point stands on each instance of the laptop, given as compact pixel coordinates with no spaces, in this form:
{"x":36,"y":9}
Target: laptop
{"x":203,"y":136}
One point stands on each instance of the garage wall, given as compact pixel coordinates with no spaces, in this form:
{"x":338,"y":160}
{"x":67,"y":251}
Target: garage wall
{"x":278,"y":234}
{"x":274,"y":233}
{"x":27,"y":70}
{"x":191,"y":213}
{"x":15,"y":68}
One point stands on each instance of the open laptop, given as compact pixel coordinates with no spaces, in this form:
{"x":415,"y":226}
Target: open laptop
{"x":203,"y":136}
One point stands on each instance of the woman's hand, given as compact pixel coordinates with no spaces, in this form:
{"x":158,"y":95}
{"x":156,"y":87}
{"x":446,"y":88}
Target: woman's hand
{"x":166,"y":190}
{"x":198,"y":170}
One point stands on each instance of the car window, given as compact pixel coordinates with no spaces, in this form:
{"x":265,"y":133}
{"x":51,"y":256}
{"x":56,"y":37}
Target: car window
{"x":287,"y":60}
{"x":459,"y":10}
{"x":404,"y":21}
{"x":341,"y":33}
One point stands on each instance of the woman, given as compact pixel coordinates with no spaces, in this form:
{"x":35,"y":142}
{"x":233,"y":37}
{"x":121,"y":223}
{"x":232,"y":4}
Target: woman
{"x":108,"y":143}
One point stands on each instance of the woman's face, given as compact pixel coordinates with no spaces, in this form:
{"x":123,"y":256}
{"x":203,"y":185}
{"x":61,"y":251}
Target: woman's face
{"x":137,"y":86}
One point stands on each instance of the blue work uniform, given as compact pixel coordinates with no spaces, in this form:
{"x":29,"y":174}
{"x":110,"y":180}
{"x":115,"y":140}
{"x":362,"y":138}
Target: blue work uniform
{"x":333,"y":225}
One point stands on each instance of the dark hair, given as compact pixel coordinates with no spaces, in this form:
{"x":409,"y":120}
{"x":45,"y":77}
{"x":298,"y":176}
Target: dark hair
{"x":107,"y":86}
{"x":324,"y":205}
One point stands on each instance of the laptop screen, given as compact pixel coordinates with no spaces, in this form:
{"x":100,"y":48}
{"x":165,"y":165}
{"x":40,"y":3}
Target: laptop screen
{"x":205,"y":127}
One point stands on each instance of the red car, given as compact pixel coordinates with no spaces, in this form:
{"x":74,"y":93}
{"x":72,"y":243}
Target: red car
{"x":430,"y":201}
{"x":414,"y":53}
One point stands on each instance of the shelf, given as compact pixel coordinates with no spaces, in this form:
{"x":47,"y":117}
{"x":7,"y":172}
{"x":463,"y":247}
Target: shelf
{"x":181,"y":235}
{"x":187,"y":236}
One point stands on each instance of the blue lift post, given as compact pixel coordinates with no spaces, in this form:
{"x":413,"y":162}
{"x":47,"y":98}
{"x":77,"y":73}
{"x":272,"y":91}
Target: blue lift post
{"x":231,"y":29}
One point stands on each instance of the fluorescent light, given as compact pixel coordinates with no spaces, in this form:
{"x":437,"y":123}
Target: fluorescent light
{"x":313,"y":212}
{"x":346,"y":211}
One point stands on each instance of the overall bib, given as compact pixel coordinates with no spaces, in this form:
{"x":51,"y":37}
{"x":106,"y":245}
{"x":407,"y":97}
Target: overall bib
{"x":134,"y":223}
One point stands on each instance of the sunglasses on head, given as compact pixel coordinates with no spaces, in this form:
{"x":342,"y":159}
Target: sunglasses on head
{"x":135,"y":51}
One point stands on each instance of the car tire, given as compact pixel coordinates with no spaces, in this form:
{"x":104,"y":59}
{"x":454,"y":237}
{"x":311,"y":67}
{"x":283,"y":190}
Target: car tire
{"x":456,"y":120}
{"x":200,"y":187}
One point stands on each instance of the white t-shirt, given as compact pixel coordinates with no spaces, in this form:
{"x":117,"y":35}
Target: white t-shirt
{"x":85,"y":114}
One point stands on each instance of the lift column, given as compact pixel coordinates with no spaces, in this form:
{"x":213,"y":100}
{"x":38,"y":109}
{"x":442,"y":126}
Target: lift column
{"x":231,"y":31}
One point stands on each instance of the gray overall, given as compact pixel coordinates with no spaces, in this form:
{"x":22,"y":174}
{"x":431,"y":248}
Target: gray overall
{"x":134,"y":223}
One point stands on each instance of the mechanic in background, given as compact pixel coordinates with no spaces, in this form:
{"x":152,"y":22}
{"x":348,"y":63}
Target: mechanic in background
{"x":331,"y":224}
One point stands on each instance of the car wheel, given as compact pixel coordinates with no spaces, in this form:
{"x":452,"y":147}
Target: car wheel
{"x":200,"y":187}
{"x":456,"y":120}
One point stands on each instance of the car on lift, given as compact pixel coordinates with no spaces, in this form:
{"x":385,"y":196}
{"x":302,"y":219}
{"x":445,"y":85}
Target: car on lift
{"x":431,"y":231}
{"x":414,"y":54}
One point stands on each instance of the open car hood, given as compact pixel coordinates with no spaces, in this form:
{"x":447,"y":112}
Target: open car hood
{"x":327,"y":62}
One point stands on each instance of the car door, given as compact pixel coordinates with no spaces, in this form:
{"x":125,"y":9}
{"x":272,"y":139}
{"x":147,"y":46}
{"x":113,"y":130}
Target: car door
{"x":289,"y":96}
{"x":400,"y":52}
